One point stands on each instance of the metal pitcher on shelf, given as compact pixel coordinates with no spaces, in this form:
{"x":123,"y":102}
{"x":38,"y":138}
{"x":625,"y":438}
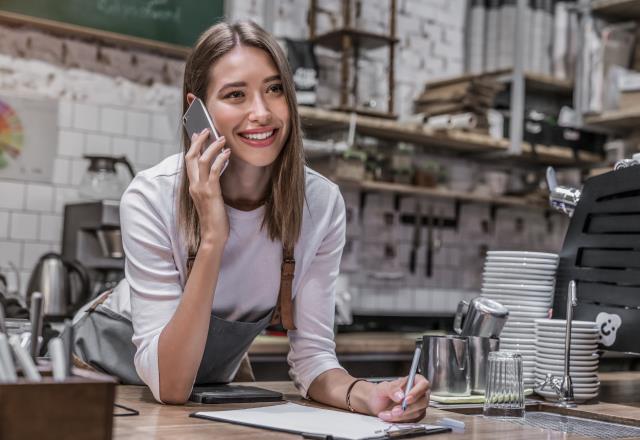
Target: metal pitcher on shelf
{"x":482,"y":317}
{"x":446,"y":365}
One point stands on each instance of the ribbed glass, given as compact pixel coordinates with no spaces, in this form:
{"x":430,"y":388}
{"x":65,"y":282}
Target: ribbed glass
{"x":504,"y":392}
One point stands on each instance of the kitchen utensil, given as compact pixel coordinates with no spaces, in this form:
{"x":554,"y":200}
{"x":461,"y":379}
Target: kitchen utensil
{"x":68,"y":341}
{"x":562,"y":198}
{"x":417,"y":225}
{"x":446,"y":364}
{"x":35,"y":315}
{"x":58,"y":361}
{"x":101,"y":181}
{"x":9,"y":368}
{"x":479,"y":349}
{"x":504,"y":394}
{"x":63,"y":284}
{"x":429,"y":257}
{"x":25,"y":361}
{"x":3,"y":324}
{"x":480,"y":317}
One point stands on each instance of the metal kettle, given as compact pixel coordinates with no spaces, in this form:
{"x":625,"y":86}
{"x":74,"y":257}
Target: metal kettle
{"x":65,"y":285}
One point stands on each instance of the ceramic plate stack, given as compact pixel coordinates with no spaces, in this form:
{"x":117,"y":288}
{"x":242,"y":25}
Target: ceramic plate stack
{"x":524,"y":283}
{"x":583,"y":367}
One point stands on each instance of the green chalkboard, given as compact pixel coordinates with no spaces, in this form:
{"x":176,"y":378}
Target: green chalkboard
{"x":177,"y":22}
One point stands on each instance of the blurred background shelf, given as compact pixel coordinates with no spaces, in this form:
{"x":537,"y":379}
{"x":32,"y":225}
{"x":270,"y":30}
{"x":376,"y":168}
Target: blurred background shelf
{"x":444,"y":193}
{"x":617,"y":9}
{"x":453,"y":140}
{"x":628,"y":119}
{"x":535,"y":82}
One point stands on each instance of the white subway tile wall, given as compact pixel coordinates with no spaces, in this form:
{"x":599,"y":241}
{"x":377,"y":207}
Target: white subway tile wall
{"x":31,"y":214}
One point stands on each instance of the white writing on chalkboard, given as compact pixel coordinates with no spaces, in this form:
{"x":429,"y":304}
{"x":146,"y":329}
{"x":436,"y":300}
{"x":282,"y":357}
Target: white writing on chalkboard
{"x":159,"y":10}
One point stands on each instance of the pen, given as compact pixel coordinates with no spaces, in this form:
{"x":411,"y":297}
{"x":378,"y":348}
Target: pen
{"x":412,"y":376}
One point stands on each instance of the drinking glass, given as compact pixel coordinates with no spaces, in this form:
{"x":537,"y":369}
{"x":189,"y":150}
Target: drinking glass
{"x":504,"y":392}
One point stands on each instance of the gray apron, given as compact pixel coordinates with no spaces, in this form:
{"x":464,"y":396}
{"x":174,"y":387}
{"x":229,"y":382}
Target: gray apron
{"x":102,"y":340}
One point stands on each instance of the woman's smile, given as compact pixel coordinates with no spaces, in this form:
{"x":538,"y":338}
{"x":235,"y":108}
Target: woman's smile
{"x":259,"y":137}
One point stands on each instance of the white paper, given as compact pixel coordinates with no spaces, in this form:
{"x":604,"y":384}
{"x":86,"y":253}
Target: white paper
{"x":306,"y":419}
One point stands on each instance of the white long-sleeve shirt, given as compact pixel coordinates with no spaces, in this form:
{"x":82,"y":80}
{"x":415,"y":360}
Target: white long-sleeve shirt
{"x":249,"y":278}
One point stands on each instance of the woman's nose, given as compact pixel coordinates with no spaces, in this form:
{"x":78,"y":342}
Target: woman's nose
{"x":260,"y":112}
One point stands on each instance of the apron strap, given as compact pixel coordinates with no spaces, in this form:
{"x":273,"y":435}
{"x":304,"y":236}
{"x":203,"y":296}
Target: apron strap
{"x":283,"y":313}
{"x":99,"y":300}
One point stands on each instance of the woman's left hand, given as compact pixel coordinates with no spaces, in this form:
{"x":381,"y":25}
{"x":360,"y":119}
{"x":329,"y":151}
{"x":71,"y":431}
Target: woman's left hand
{"x":385,"y":400}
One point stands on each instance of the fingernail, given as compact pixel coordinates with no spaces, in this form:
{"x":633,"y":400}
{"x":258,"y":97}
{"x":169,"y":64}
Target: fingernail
{"x":384,"y":415}
{"x":204,"y":130}
{"x":194,"y":136}
{"x":396,"y":411}
{"x":399,"y":395}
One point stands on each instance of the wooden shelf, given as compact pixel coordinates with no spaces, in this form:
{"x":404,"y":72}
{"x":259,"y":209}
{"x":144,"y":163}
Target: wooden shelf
{"x":619,"y":10}
{"x":360,"y":38}
{"x":628,"y":119}
{"x":535,"y":82}
{"x":452,"y":141}
{"x":443,"y":193}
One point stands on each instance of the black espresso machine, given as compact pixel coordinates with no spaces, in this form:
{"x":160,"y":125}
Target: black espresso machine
{"x":601,"y":252}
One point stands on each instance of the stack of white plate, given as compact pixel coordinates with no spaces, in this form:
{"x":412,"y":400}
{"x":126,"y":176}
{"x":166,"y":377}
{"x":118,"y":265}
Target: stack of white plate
{"x":524,"y":283}
{"x":583,"y":368}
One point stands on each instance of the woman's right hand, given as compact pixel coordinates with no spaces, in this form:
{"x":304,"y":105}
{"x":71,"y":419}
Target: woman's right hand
{"x":204,"y":166}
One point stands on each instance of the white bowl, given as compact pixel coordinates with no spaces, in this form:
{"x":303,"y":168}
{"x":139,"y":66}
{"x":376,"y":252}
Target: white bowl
{"x":517,"y":274}
{"x":523,"y":294}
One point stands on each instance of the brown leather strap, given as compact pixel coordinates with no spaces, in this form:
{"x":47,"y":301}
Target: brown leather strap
{"x":283,"y":313}
{"x":99,"y":300}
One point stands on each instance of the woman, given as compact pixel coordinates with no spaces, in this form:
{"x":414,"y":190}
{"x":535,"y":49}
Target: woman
{"x":204,"y":247}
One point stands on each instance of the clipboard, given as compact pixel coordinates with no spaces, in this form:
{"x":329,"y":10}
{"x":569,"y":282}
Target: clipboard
{"x":319,"y":424}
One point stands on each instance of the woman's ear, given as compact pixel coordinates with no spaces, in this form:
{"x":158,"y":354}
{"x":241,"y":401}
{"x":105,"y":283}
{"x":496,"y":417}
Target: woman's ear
{"x":190,"y":98}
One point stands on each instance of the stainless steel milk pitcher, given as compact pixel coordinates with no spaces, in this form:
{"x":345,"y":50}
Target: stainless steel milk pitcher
{"x":482,"y":317}
{"x":446,"y":364}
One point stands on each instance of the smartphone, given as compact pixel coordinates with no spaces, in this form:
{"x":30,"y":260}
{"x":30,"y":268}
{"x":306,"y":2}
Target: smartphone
{"x":196,"y":119}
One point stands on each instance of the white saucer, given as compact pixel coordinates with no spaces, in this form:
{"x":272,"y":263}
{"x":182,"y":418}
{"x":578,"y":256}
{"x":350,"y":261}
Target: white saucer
{"x":517,"y":298}
{"x":518,"y":286}
{"x":507,"y":280}
{"x":516,"y":274}
{"x":574,"y":335}
{"x":560,"y":345}
{"x":584,"y":361}
{"x":525,"y":254}
{"x":502,"y":259}
{"x":527,"y":309}
{"x":590,"y":325}
{"x":579,"y":354}
{"x":579,"y":397}
{"x":550,"y":267}
{"x":558,"y":369}
{"x":514,"y":314}
{"x":523,"y":294}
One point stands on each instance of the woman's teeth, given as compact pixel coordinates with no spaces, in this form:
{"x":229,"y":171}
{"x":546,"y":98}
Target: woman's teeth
{"x":258,"y":136}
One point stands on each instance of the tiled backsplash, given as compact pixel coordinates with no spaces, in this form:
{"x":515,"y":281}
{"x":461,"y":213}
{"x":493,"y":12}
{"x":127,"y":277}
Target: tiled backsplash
{"x":31,"y":213}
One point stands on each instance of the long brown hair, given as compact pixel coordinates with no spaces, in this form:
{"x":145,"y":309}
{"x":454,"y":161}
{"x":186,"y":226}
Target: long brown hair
{"x":285,"y":195}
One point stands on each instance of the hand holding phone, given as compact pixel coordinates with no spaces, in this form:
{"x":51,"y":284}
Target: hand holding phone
{"x":196,"y":119}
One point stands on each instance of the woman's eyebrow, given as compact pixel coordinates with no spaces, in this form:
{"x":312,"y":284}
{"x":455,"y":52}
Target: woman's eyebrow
{"x":244,"y":84}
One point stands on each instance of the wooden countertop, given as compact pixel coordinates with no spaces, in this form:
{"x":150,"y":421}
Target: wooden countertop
{"x":170,"y":422}
{"x":346,"y":343}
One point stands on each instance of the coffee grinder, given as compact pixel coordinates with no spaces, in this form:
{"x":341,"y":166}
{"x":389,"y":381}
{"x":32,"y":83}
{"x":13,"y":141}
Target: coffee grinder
{"x":91,"y":235}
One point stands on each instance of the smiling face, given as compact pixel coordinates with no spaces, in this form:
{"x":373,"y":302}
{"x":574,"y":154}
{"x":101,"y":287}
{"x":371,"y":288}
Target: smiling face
{"x":246,"y":100}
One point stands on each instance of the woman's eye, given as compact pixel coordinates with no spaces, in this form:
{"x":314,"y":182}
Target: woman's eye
{"x":275,"y":88}
{"x":234,"y":94}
